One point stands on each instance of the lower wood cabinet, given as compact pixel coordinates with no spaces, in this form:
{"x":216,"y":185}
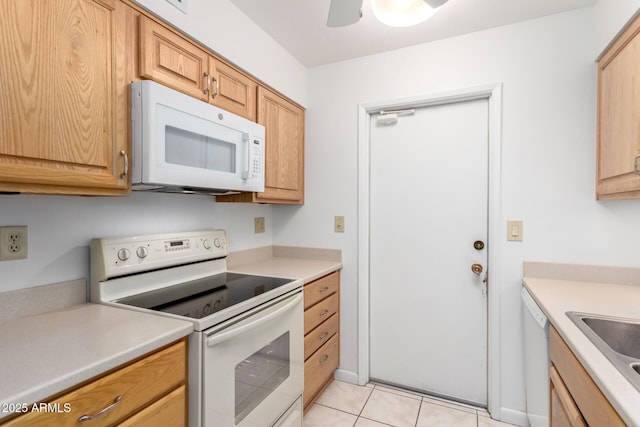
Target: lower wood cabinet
{"x":322,"y":335}
{"x":576,"y":400}
{"x":148,"y":392}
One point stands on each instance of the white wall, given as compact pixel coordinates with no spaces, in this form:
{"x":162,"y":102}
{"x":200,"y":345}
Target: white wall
{"x":611,"y":16}
{"x":222,"y":27}
{"x":548,"y":154}
{"x":60,"y":228}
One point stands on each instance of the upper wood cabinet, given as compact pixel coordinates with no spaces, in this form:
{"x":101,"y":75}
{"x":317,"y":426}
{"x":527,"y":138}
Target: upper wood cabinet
{"x":619,"y":118}
{"x":232,"y":90}
{"x":284,"y":141}
{"x":62,"y":79}
{"x":168,"y":58}
{"x":284,"y":159}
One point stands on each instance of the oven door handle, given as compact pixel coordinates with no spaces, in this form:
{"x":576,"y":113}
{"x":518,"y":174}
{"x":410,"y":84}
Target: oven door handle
{"x":228,"y":334}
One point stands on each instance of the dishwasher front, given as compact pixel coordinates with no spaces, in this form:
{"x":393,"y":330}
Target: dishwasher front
{"x":536,"y":361}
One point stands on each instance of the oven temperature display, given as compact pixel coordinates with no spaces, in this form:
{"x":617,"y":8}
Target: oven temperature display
{"x":176,"y":245}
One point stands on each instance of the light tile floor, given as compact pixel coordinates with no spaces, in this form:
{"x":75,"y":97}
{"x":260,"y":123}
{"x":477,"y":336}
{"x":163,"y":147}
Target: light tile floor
{"x":348,"y":405}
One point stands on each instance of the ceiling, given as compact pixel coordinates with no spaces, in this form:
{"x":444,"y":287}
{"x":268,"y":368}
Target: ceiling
{"x":300,"y":25}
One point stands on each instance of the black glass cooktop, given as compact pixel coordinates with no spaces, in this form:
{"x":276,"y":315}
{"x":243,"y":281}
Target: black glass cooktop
{"x":202,"y":297}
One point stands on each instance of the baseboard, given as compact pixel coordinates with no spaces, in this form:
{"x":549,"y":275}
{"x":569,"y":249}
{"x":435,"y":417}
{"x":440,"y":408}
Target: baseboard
{"x":512,"y":416}
{"x":346,"y":376}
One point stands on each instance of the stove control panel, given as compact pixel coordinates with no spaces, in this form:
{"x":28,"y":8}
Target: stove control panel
{"x":114,"y":257}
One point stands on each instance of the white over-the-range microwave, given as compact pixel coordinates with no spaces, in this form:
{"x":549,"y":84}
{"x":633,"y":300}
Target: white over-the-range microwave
{"x":184,"y":145}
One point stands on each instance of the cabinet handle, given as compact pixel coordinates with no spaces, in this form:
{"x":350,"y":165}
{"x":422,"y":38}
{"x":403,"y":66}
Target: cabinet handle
{"x":207,"y":89}
{"x":126,"y":163}
{"x":323,"y":336}
{"x":635,"y":165}
{"x":324,"y":358}
{"x":325,"y":289}
{"x":104,"y":412}
{"x":324,"y":313}
{"x":213,"y":95}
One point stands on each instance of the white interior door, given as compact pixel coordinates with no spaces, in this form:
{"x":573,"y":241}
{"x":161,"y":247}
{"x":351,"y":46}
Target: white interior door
{"x":428,"y":206}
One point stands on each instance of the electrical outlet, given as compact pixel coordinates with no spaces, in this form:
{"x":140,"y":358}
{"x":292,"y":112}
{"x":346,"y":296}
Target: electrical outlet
{"x":14,"y":243}
{"x":259,"y":225}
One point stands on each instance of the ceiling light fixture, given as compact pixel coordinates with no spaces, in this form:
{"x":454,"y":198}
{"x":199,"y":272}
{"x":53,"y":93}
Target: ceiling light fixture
{"x":404,"y":13}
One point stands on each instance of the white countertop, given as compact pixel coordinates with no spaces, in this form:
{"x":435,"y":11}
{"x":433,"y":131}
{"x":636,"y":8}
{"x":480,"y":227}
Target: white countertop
{"x":48,"y":353}
{"x":291,"y":268}
{"x":306,"y":264}
{"x":556,"y":297}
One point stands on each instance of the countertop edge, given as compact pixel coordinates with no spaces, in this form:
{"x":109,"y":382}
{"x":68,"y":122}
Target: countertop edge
{"x":615,"y":387}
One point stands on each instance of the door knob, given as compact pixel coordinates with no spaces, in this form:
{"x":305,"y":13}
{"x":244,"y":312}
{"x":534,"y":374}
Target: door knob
{"x":476,"y":268}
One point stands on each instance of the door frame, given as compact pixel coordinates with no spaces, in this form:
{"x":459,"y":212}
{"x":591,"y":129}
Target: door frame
{"x":492,"y":93}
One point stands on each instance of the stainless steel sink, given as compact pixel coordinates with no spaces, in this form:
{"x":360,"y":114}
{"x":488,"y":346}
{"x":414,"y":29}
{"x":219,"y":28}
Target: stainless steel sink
{"x":617,"y":338}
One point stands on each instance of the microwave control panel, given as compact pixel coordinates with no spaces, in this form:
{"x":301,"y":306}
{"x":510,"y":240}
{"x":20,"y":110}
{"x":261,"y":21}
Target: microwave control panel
{"x":256,"y":159}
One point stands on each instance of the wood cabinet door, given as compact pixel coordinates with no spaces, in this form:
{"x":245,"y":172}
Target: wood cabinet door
{"x":619,"y":117}
{"x":564,"y":412}
{"x":58,"y":80}
{"x":284,"y":142}
{"x":167,"y":58}
{"x":232,"y":90}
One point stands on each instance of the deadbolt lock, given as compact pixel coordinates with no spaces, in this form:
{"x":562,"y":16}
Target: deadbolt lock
{"x":476,"y":268}
{"x":478,"y":244}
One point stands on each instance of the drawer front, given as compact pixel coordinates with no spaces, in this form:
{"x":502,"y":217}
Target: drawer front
{"x":320,"y":335}
{"x":168,"y":411}
{"x":320,"y":289}
{"x":320,"y":367}
{"x":320,"y":312}
{"x":139,"y":384}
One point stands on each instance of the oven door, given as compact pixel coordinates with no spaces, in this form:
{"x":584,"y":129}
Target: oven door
{"x":253,"y":368}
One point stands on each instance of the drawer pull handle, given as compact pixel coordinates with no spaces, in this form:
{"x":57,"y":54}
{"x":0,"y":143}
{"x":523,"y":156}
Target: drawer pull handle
{"x":324,"y":358}
{"x":126,"y":164}
{"x":325,"y":289}
{"x":323,"y":336}
{"x":217,"y":92}
{"x":105,"y":411}
{"x":324,"y":313}
{"x":207,"y":89}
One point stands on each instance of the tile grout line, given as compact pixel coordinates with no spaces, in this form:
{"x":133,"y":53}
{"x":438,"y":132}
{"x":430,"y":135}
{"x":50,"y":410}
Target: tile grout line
{"x":365,"y":402}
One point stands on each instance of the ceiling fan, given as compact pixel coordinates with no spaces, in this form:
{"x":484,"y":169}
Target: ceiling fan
{"x":347,"y":12}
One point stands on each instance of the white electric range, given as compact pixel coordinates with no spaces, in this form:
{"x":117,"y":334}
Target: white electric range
{"x":246,"y":354}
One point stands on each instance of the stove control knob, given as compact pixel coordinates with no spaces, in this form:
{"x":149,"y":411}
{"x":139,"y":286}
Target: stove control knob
{"x":142,"y":252}
{"x":217,"y":243}
{"x":206,"y":244}
{"x":207,"y":309}
{"x":124,"y":254}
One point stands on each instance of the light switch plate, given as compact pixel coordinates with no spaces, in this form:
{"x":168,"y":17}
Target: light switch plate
{"x":514,"y":231}
{"x":259,"y":225}
{"x":338,"y":224}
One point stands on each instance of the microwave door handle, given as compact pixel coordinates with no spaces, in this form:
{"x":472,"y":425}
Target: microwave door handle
{"x":247,"y":164}
{"x":227,"y":335}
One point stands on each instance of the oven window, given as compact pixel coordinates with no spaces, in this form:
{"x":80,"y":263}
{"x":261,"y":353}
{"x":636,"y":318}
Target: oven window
{"x":191,"y":149}
{"x":260,"y":374}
